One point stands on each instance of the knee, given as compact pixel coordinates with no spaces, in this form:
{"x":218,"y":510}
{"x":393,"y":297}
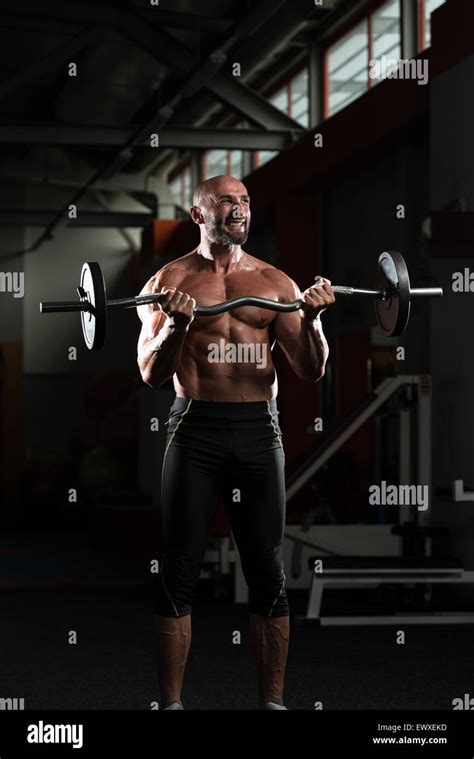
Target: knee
{"x":175,"y":585}
{"x":266,"y":580}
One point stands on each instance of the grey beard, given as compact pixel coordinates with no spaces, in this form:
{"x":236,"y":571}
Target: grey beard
{"x":221,"y":236}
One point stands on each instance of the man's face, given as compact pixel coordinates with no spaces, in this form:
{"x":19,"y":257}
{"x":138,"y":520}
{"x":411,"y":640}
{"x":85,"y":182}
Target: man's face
{"x":227,"y":216}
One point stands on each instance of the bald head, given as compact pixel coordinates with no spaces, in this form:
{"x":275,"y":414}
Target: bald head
{"x":215,"y":186}
{"x":221,"y":206}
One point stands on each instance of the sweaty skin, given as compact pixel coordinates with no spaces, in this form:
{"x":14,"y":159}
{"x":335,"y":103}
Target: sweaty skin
{"x":174,"y":343}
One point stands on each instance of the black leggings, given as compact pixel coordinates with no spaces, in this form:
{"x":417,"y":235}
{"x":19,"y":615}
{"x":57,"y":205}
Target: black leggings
{"x":231,"y":451}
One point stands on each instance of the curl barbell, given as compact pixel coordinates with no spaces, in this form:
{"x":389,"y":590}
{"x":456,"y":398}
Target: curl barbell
{"x":392,"y":296}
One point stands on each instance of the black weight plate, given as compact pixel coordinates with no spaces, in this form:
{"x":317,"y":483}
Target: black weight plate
{"x":94,"y":322}
{"x":392,"y":276}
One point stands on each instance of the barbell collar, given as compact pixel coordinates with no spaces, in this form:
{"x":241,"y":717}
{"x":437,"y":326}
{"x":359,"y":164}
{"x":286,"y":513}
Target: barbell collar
{"x":426,"y":292}
{"x":64,"y":306}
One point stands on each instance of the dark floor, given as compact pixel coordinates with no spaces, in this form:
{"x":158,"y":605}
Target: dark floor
{"x":112,"y":666}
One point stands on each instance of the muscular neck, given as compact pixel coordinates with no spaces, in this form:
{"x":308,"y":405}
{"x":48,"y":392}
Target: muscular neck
{"x":219,"y":258}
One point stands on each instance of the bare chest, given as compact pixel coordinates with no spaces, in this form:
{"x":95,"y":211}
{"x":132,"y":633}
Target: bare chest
{"x":210,"y":289}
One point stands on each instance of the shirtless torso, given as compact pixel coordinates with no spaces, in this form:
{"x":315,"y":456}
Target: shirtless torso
{"x":198,"y":377}
{"x":223,"y":434}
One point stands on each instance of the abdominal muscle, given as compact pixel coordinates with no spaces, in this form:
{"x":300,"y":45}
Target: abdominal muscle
{"x":209,"y":372}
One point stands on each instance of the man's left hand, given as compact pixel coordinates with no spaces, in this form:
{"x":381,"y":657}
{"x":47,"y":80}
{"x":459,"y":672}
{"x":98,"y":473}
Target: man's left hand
{"x":316,"y":299}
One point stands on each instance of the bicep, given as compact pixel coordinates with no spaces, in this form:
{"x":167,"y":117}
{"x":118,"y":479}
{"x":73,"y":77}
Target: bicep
{"x":287,"y":330}
{"x":163,"y":278}
{"x":287,"y":326}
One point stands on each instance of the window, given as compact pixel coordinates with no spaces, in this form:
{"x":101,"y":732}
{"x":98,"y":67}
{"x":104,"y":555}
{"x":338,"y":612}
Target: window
{"x":236,"y":161}
{"x":350,"y":61}
{"x":218,"y":162}
{"x":263,"y":156}
{"x":386,"y":39}
{"x":347,"y":68}
{"x":180,"y":187}
{"x":280,"y":99}
{"x":299,"y":98}
{"x":293,"y":98}
{"x":425,"y":9}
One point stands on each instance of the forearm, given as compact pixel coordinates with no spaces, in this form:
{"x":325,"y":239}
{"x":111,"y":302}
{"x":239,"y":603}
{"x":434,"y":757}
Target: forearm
{"x":310,"y":350}
{"x":159,"y":357}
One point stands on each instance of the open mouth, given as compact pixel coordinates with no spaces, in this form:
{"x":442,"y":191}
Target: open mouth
{"x":235,"y":224}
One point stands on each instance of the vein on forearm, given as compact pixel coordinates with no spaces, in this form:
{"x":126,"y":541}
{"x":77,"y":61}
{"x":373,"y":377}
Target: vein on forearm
{"x":161,"y":355}
{"x":311,"y":350}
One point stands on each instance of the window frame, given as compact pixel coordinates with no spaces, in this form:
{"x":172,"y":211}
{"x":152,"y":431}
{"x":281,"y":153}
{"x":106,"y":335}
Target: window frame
{"x":422,"y":46}
{"x":421,"y":25}
{"x":284,"y":80}
{"x":228,"y":151}
{"x":178,"y":171}
{"x":286,"y":77}
{"x":364,"y":14}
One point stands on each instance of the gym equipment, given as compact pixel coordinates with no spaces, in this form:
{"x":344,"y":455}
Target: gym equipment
{"x":93,"y":318}
{"x":392,"y":300}
{"x":373,"y":571}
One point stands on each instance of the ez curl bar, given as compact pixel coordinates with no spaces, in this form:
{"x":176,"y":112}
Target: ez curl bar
{"x":392,"y":295}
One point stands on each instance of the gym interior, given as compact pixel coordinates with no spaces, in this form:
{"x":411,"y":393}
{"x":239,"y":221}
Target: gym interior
{"x":111,"y":114}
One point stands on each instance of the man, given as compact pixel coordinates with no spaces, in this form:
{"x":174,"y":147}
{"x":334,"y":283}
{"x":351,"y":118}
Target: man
{"x":223,"y":438}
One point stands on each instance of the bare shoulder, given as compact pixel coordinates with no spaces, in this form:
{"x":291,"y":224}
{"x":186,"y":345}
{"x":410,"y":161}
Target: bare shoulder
{"x":286,"y":288}
{"x":172,"y":274}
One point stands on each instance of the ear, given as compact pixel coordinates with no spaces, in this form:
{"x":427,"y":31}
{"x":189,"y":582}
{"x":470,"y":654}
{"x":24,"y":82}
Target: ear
{"x":196,"y":215}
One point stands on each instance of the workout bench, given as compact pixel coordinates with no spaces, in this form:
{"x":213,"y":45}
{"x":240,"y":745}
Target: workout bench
{"x":375,"y":570}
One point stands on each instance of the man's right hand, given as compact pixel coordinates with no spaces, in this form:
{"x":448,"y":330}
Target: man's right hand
{"x":178,"y":306}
